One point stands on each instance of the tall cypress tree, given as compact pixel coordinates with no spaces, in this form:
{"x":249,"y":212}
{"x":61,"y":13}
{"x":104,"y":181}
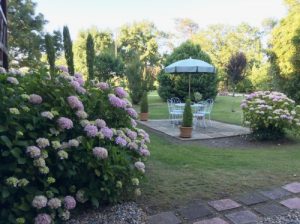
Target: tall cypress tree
{"x":68,"y":47}
{"x":50,"y":50}
{"x":90,"y":56}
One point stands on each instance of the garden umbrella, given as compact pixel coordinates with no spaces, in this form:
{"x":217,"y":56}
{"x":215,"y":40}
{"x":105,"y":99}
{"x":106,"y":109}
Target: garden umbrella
{"x":190,"y":66}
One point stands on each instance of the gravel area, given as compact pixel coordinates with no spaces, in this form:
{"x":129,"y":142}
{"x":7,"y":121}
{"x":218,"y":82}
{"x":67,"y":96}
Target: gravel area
{"x":126,"y":213}
{"x":292,"y":217}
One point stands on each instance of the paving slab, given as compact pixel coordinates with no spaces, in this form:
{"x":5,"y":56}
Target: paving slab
{"x":224,"y":204}
{"x":212,"y":221}
{"x":216,"y":130}
{"x":291,"y":203}
{"x":271,"y":209}
{"x":275,"y":193}
{"x":195,"y":211}
{"x":293,"y":187}
{"x":164,"y":218}
{"x":242,"y":217}
{"x":252,"y":198}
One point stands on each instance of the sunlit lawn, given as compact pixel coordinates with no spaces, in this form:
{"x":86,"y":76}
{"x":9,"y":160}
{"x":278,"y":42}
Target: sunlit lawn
{"x":178,"y":173}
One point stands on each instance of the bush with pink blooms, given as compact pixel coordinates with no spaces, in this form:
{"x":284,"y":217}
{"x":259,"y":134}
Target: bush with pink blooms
{"x":270,"y":114}
{"x":64,"y":142}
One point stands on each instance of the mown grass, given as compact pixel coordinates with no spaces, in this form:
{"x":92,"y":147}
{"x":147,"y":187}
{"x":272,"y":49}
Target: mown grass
{"x":178,"y":173}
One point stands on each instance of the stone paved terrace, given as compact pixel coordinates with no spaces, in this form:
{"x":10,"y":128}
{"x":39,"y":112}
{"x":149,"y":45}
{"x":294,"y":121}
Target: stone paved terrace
{"x":242,"y":209}
{"x":216,"y":130}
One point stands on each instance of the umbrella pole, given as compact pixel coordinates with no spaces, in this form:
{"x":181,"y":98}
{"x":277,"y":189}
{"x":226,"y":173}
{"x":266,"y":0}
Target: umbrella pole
{"x":189,"y":86}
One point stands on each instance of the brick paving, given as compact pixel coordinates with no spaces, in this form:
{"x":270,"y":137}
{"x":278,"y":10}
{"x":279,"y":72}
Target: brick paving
{"x":248,"y":208}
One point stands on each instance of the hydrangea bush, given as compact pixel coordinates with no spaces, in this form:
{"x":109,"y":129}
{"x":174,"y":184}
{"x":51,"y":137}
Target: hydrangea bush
{"x":269,"y":114}
{"x":64,"y":142}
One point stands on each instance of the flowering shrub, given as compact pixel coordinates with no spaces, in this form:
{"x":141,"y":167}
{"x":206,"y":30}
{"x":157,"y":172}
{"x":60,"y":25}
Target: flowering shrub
{"x":269,"y":113}
{"x":64,"y":142}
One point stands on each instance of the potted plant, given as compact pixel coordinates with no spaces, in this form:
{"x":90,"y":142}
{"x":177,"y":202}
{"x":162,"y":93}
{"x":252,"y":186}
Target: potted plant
{"x":144,"y":107}
{"x":187,"y":121}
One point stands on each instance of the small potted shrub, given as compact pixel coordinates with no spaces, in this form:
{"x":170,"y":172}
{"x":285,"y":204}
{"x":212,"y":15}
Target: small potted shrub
{"x":187,"y":121}
{"x":144,"y":107}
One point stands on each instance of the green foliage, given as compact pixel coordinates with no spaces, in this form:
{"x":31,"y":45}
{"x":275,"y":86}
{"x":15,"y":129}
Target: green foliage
{"x":107,"y":67}
{"x":285,"y":52}
{"x":260,"y":77}
{"x":197,"y":96}
{"x":268,"y":114}
{"x":103,"y":43}
{"x":50,"y":50}
{"x":24,"y":44}
{"x":134,"y":74}
{"x":90,"y":56}
{"x":220,"y":41}
{"x":68,"y":47}
{"x":139,"y":39}
{"x":65,"y":162}
{"x":187,"y":120}
{"x":144,"y":103}
{"x":245,"y":86}
{"x":171,"y":85}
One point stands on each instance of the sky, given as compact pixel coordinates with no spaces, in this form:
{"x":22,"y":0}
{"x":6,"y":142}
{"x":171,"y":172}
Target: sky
{"x":111,"y":14}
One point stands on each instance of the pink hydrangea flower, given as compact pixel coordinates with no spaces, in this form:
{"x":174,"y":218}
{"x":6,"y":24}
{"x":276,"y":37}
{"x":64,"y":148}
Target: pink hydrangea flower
{"x":12,"y":80}
{"x":69,"y":202}
{"x":33,"y":151}
{"x":133,"y":123}
{"x":54,"y":203}
{"x":65,"y":123}
{"x":43,"y":219}
{"x":100,"y":153}
{"x":120,"y":92}
{"x":35,"y":99}
{"x":100,"y":123}
{"x":91,"y":130}
{"x":132,"y":113}
{"x":116,"y":101}
{"x":39,"y":202}
{"x":63,"y":68}
{"x":81,"y":114}
{"x":121,"y":141}
{"x":103,"y":86}
{"x":131,"y":134}
{"x":140,"y":166}
{"x":144,"y":152}
{"x":107,"y":132}
{"x":75,"y":103}
{"x":79,"y":78}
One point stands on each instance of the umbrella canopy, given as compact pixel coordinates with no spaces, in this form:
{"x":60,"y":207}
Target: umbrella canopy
{"x":191,"y":66}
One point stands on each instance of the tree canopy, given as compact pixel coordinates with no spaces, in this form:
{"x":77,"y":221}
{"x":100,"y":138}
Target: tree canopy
{"x":285,"y":51}
{"x":103,"y":42}
{"x":25,"y":32}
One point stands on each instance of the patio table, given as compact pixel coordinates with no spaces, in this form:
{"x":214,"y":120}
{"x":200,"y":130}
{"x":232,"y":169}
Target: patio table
{"x":194,"y":106}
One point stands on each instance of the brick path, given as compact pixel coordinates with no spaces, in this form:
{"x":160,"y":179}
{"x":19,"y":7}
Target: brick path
{"x":243,"y":209}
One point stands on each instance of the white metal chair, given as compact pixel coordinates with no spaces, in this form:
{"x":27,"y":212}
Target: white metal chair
{"x":175,"y":114}
{"x":208,"y":109}
{"x":199,"y":115}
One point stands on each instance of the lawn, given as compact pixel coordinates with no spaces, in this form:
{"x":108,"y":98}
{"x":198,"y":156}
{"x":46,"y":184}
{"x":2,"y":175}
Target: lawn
{"x":222,"y":110}
{"x":178,"y":173}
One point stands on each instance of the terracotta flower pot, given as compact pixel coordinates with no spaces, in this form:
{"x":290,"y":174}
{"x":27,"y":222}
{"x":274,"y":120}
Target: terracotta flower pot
{"x":186,"y":132}
{"x":144,"y":116}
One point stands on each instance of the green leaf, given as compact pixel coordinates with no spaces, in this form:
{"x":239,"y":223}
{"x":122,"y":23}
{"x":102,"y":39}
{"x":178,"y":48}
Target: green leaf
{"x":95,"y":202}
{"x":2,"y":128}
{"x":21,"y":160}
{"x":5,"y":193}
{"x":6,"y":141}
{"x":16,"y":152}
